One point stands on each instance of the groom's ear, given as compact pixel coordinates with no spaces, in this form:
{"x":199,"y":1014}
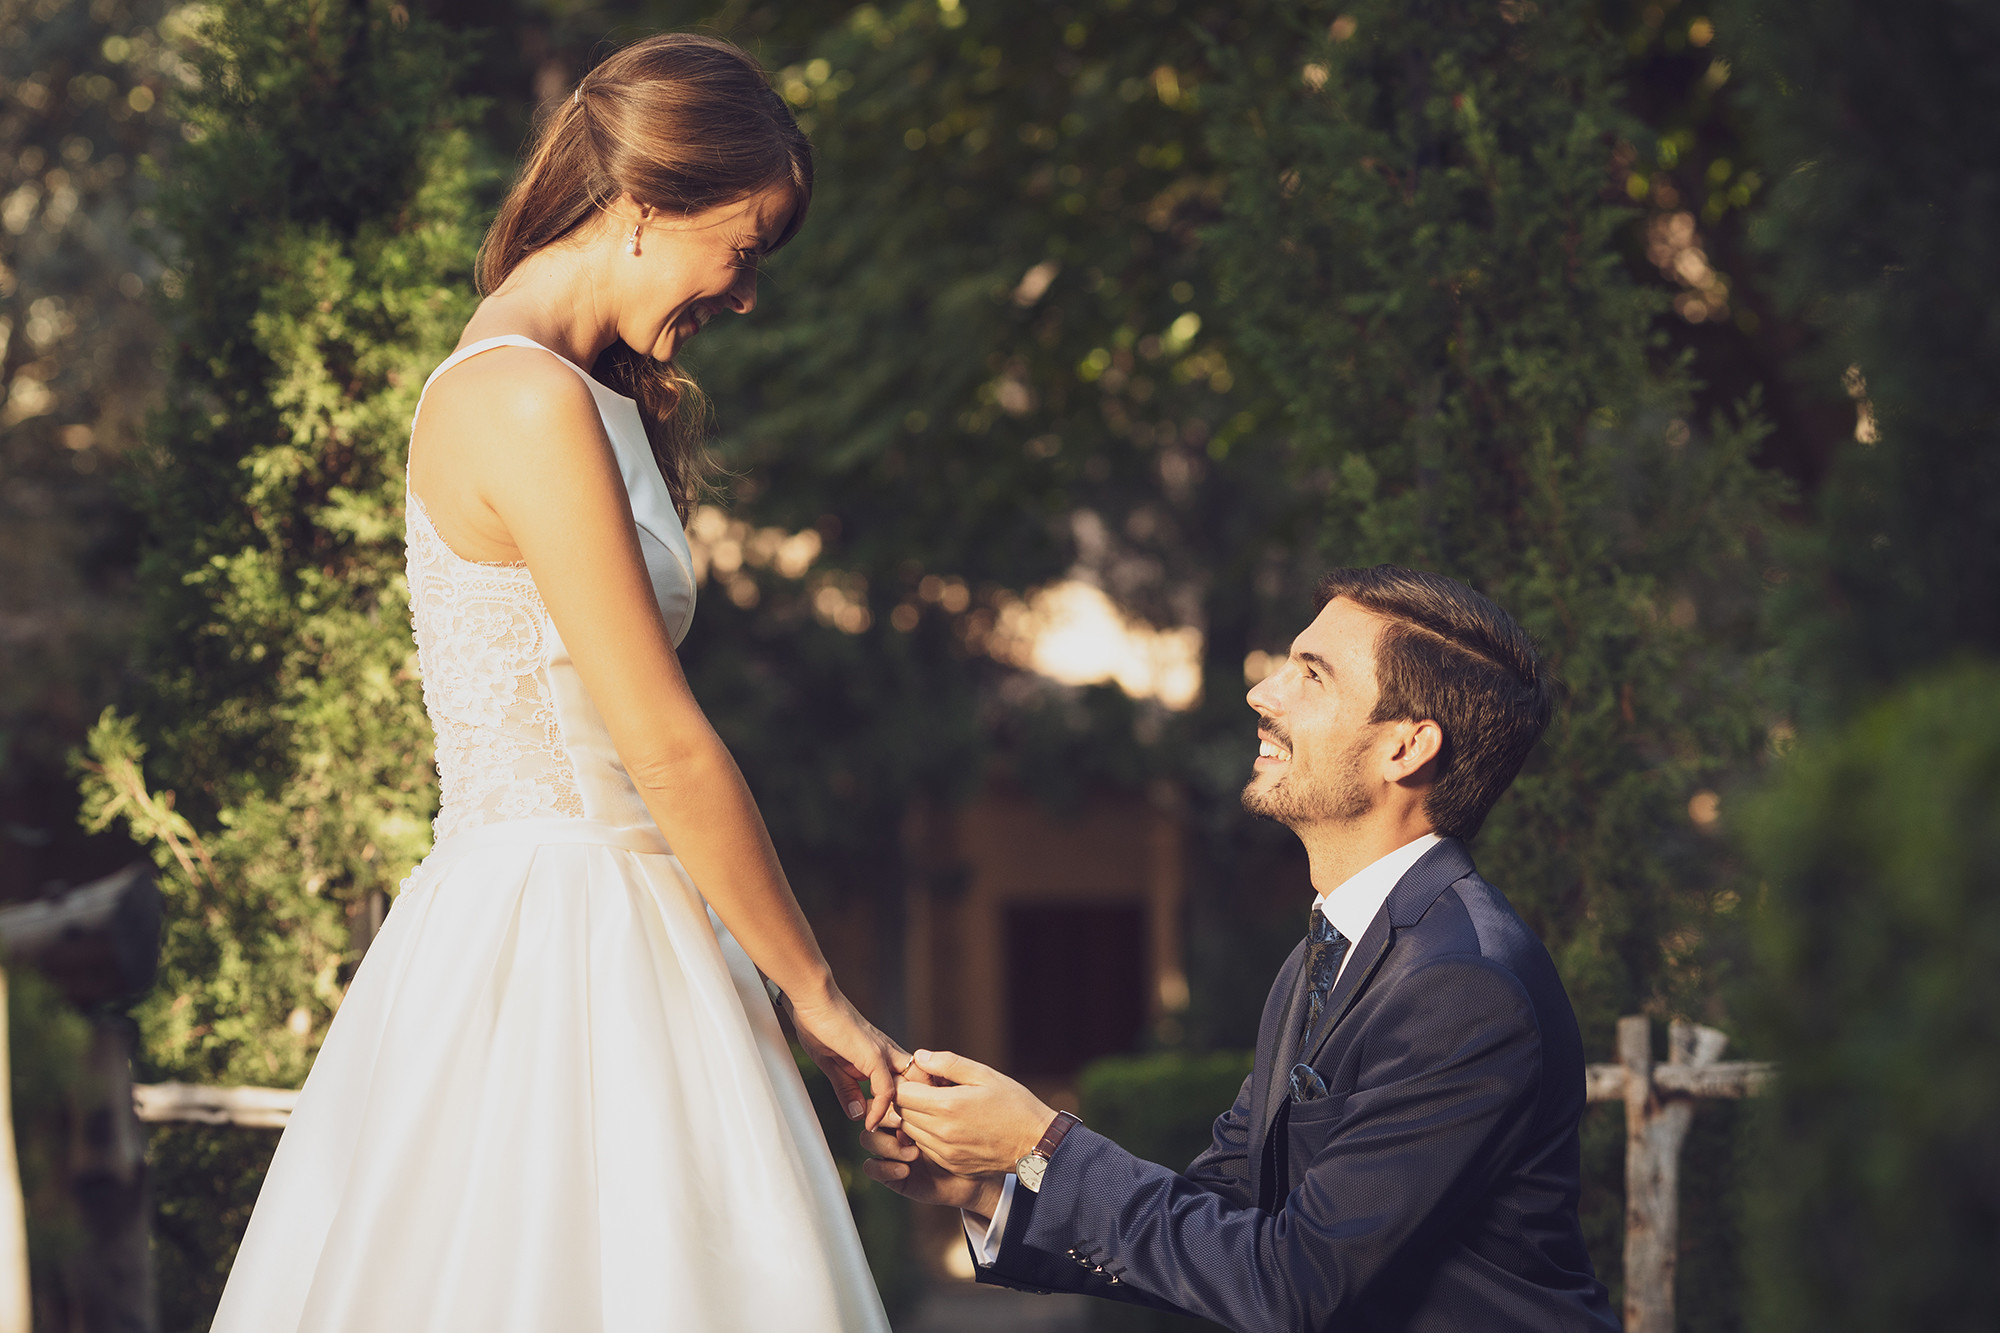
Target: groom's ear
{"x":1419,"y":743}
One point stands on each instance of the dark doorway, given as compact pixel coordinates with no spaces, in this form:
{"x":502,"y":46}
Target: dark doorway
{"x":1076,"y":986}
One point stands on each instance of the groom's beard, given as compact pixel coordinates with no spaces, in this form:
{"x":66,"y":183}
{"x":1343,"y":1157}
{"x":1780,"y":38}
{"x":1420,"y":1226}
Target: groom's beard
{"x":1299,"y":800}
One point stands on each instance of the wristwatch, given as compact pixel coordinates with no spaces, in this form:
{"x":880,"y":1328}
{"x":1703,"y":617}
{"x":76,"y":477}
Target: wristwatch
{"x":1030,"y":1169}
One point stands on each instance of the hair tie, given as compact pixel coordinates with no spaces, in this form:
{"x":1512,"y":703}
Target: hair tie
{"x":576,"y":97}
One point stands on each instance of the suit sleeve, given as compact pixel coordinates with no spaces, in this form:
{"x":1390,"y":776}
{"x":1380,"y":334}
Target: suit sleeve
{"x":1451,"y":1068}
{"x":1223,"y":1168}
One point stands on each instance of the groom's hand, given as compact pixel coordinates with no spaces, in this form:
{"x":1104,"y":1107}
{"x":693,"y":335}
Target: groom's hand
{"x":897,"y":1164}
{"x":979,"y":1125}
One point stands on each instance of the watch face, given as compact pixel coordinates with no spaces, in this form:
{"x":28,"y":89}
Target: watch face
{"x":1029,"y":1170}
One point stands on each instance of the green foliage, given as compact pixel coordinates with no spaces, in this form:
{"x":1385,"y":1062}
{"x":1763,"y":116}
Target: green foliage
{"x":965,"y":374}
{"x":1880,"y":957}
{"x":204,"y":1181}
{"x":1883,"y":129}
{"x":1878,"y":1187}
{"x":985,"y":360}
{"x":971,"y":339}
{"x":1161,"y":1106}
{"x":320,"y":216}
{"x":48,"y":1043}
{"x":964,"y":405}
{"x":319,"y":228}
{"x":1422,"y":255}
{"x":80,"y":122}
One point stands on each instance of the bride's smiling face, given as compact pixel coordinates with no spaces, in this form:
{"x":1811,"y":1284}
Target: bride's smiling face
{"x":690,"y":269}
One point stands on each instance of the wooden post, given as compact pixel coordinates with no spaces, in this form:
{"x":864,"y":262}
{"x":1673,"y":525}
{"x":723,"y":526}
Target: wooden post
{"x":14,"y":1298}
{"x":1655,"y":1128}
{"x":100,"y":946}
{"x":109,"y":1181}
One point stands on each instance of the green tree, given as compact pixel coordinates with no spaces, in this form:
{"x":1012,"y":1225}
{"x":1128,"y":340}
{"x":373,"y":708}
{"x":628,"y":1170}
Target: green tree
{"x":81,"y":126}
{"x":1426,"y":253}
{"x":1879,"y":1195}
{"x":1880,"y":236}
{"x":320,"y":225}
{"x":1880,"y":987}
{"x":984,"y":366}
{"x":936,"y":415}
{"x":1423,"y":255}
{"x":321,"y":220}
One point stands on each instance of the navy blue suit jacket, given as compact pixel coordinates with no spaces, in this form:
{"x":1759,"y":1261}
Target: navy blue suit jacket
{"x":1433,"y":1188}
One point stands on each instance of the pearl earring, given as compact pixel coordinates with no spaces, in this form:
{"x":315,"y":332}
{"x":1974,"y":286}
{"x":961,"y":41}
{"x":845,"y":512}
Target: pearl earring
{"x":632,"y":241}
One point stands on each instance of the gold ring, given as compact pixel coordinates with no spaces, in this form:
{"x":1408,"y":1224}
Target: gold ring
{"x":908,"y":1067}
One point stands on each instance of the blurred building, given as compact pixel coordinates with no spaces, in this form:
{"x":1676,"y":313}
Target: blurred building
{"x":1039,"y":939}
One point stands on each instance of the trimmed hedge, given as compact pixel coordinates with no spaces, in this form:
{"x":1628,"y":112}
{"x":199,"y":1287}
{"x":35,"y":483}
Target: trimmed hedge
{"x":1879,"y":992}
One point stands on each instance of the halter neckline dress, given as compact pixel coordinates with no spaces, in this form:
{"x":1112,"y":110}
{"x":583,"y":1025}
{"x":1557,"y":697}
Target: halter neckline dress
{"x":555,"y":1098}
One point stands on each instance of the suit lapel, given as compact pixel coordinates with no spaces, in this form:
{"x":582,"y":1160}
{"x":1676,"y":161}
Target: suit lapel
{"x":1274,"y":1042}
{"x":1437,"y":870}
{"x":1284,"y":1042}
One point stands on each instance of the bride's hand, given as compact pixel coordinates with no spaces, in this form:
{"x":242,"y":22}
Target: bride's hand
{"x":850,"y":1049}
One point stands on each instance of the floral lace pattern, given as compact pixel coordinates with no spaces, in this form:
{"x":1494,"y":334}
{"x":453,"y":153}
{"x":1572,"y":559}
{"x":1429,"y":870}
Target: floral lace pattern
{"x":482,"y":648}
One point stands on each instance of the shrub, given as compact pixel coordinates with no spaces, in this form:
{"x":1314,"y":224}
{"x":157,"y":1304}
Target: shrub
{"x":1880,"y":944}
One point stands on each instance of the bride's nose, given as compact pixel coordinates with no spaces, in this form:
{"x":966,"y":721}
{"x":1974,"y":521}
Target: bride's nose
{"x":743,"y":296}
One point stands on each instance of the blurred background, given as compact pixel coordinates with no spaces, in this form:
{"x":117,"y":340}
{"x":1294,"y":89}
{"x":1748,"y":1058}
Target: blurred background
{"x":1671,"y":326}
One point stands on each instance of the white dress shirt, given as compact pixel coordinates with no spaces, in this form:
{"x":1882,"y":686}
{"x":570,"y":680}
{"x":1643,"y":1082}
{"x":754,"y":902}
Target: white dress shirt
{"x":1352,"y":908}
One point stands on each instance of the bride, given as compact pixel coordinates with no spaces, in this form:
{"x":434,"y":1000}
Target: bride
{"x":556,"y":1097}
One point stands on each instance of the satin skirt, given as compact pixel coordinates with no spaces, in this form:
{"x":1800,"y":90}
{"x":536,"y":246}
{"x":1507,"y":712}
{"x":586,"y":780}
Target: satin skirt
{"x":554,"y":1100}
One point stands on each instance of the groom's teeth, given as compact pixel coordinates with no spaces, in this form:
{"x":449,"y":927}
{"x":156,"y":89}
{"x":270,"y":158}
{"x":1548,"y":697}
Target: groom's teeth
{"x":1266,"y":750}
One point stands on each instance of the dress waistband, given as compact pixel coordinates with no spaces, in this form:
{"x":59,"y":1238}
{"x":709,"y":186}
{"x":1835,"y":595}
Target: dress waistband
{"x":545,"y":832}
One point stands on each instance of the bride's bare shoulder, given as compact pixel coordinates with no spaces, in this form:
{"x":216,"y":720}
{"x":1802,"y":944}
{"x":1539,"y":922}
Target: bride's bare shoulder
{"x":507,"y":399}
{"x":512,"y":427}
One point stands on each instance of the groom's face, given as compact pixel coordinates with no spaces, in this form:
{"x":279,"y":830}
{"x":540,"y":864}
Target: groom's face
{"x":1316,"y":746}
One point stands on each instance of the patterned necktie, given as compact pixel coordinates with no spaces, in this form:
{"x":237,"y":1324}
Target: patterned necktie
{"x":1325,"y":948}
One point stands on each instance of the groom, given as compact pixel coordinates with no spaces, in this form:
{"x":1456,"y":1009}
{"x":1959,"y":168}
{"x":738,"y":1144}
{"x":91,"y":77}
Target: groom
{"x":1404,"y":1153}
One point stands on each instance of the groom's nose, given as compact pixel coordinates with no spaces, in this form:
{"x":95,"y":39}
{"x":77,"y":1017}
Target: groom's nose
{"x":1259,"y":697}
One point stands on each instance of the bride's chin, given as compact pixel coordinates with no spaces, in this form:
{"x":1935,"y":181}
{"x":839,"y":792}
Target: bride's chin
{"x":673,"y":342}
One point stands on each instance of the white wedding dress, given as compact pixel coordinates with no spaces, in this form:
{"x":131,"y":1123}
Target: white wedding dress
{"x":555,"y":1098}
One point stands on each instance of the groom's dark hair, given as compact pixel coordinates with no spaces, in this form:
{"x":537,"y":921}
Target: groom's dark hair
{"x":1452,"y":657}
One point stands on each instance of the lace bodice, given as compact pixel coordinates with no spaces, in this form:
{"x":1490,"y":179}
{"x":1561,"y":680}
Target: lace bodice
{"x":517,"y":736}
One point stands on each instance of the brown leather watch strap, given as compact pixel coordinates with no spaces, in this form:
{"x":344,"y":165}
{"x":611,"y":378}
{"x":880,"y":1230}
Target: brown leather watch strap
{"x":1053,"y":1135}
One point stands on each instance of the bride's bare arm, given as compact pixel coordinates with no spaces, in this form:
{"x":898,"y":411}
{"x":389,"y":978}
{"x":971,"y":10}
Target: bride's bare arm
{"x":512,"y":458}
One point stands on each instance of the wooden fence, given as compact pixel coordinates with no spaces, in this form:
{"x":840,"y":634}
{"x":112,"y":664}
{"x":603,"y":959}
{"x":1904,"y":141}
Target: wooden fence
{"x":99,"y":943}
{"x":1659,"y":1103}
{"x":99,"y":946}
{"x":1659,"y":1107}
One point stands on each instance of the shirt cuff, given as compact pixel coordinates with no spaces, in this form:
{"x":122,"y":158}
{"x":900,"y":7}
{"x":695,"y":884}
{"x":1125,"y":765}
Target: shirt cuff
{"x":986,"y":1245}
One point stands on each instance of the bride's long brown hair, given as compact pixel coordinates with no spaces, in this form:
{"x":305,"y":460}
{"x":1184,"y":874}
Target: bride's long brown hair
{"x":680,"y":122}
